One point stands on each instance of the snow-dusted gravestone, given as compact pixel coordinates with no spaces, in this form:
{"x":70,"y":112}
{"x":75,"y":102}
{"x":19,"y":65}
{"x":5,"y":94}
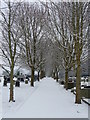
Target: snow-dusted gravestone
{"x":22,"y":79}
{"x":5,"y":83}
{"x":17,"y":84}
{"x":8,"y":80}
{"x":26,"y":81}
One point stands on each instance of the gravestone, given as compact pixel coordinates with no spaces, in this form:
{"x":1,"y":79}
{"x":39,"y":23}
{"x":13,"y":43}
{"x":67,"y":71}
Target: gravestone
{"x":26,"y":81}
{"x":18,"y":79}
{"x":27,"y":78}
{"x":17,"y":84}
{"x":22,"y":79}
{"x":35,"y":77}
{"x":5,"y":83}
{"x":8,"y":79}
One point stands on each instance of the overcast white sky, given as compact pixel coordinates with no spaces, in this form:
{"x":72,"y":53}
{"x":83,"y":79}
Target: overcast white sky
{"x":2,"y":1}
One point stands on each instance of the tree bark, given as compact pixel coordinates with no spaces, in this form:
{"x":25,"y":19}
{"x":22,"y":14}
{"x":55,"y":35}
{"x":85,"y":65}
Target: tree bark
{"x":42,"y":74}
{"x":66,"y":79}
{"x":11,"y":86}
{"x":38,"y":76}
{"x":78,"y":86}
{"x":57,"y":76}
{"x":32,"y":77}
{"x":54,"y":75}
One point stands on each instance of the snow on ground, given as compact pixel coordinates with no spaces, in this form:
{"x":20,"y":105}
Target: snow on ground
{"x":87,"y":100}
{"x":22,"y":93}
{"x":47,"y":99}
{"x":0,"y":102}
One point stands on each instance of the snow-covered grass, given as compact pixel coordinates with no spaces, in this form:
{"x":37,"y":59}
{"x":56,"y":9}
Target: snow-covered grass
{"x":21,"y":95}
{"x":47,"y":99}
{"x":86,"y":100}
{"x":0,"y":101}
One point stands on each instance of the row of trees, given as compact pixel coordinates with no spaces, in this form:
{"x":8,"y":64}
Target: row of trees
{"x":44,"y":37}
{"x":69,"y":25}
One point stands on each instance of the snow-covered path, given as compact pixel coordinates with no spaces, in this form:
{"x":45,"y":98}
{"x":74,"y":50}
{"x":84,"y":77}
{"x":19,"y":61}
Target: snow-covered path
{"x":50,"y":100}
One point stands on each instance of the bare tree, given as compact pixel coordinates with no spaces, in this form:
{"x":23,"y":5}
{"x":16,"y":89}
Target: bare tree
{"x":58,"y":28}
{"x":71,"y":26}
{"x":79,"y":30}
{"x":10,"y":38}
{"x":32,"y":22}
{"x":40,"y":58}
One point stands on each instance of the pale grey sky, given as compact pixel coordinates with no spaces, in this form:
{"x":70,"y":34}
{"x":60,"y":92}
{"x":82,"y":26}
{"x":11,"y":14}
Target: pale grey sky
{"x":2,"y":1}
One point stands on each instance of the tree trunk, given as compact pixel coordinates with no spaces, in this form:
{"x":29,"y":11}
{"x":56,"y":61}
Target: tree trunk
{"x":78,"y":83}
{"x":57,"y":76}
{"x":38,"y":76}
{"x":32,"y":77}
{"x":11,"y":86}
{"x":42,"y":74}
{"x":54,"y":75}
{"x":66,"y":79}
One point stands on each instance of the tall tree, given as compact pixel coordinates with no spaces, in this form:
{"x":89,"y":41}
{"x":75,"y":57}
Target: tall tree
{"x":32,"y":23}
{"x":79,"y":26}
{"x":58,"y":28}
{"x":10,"y":38}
